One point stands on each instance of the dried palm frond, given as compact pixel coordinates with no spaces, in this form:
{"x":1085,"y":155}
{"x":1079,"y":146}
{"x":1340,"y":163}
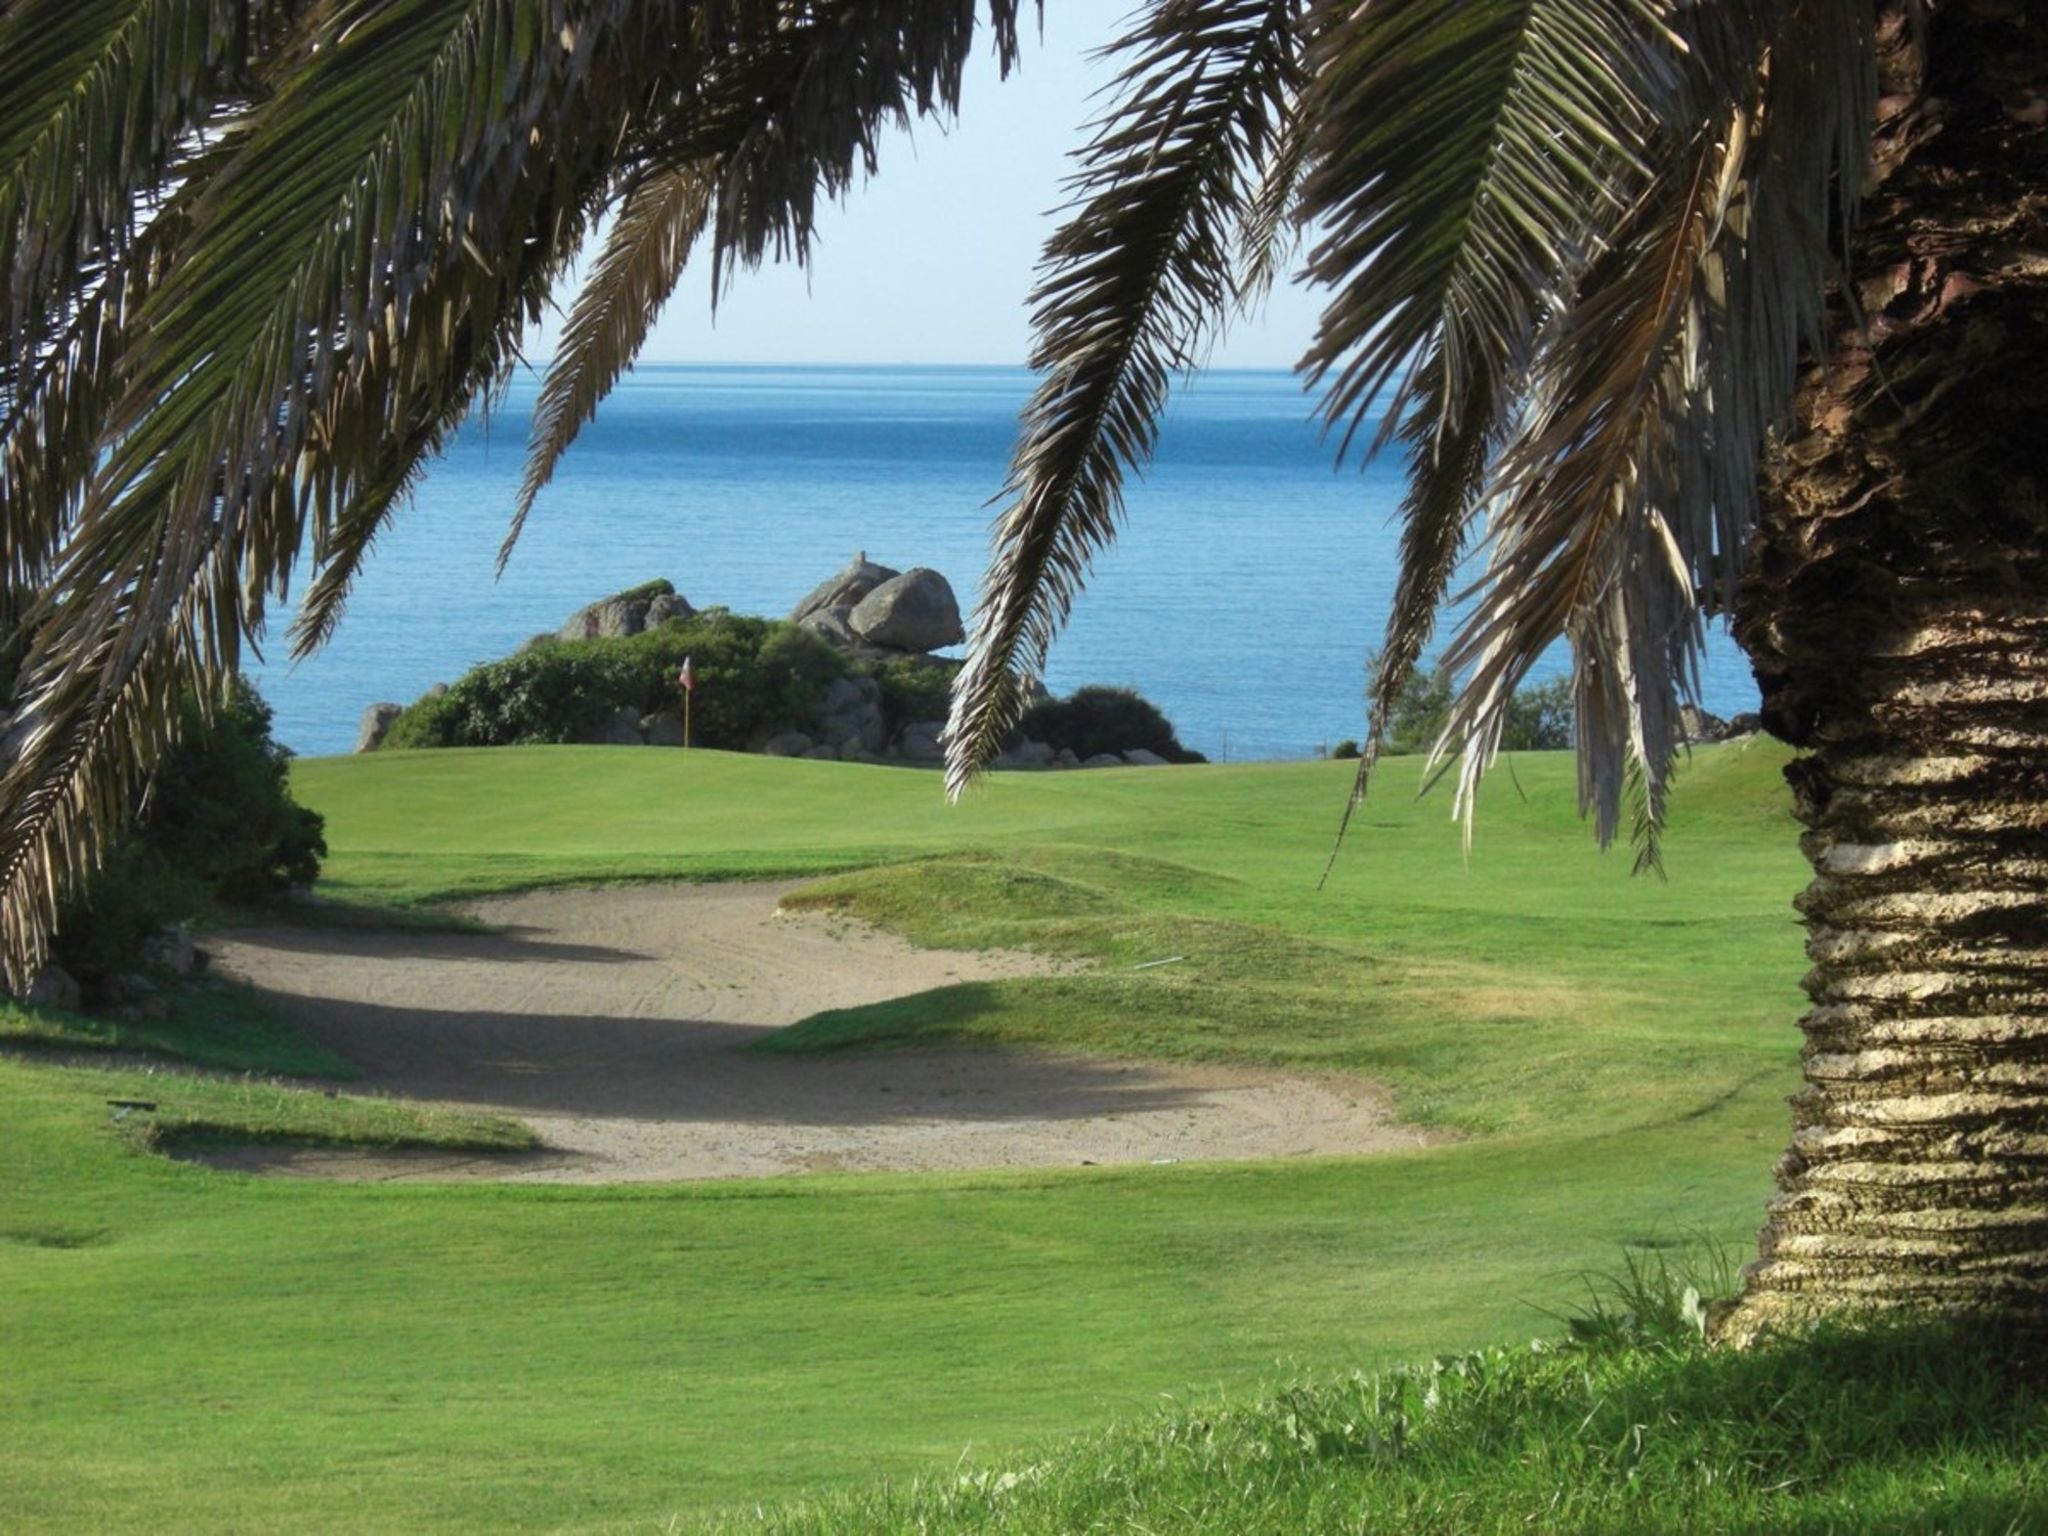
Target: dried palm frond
{"x":1130,"y":292}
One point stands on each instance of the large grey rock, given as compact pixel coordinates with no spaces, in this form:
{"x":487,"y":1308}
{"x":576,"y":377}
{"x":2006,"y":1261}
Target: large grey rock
{"x":620,"y":729}
{"x":1699,"y":725}
{"x":664,"y":606}
{"x":54,"y":987}
{"x":823,"y":754}
{"x":1139,"y":757}
{"x":663,"y":728}
{"x":613,"y":618}
{"x":912,"y":612}
{"x":830,"y":626}
{"x":1026,"y":754}
{"x":171,"y":950}
{"x":376,"y":726}
{"x":789,"y":744}
{"x":852,"y":710}
{"x":920,"y":742}
{"x":843,"y":588}
{"x":1068,"y":758}
{"x":1103,"y":760}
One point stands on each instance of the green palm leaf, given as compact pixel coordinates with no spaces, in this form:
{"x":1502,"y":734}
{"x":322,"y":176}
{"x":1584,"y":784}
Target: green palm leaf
{"x":1130,"y":291}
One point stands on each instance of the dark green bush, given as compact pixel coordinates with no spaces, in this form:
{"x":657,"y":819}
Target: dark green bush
{"x":218,"y":824}
{"x":1345,"y":750}
{"x":1096,"y":719}
{"x":754,"y":676}
{"x":1539,"y":719}
{"x":914,"y":690}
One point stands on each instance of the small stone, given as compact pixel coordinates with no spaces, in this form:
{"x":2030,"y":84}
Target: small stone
{"x":1138,"y":757}
{"x":1103,"y":760}
{"x":789,"y":744}
{"x":170,"y":950}
{"x":1067,"y":758}
{"x":153,"y":1008}
{"x":620,"y":729}
{"x":54,"y":987}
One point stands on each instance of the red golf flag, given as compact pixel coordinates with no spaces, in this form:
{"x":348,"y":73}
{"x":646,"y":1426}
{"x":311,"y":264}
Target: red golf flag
{"x":688,"y":676}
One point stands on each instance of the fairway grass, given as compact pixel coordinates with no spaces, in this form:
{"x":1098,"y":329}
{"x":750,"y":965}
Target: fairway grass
{"x":1605,"y":1057}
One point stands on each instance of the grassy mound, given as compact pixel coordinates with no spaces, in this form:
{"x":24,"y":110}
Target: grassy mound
{"x":1894,"y":1430}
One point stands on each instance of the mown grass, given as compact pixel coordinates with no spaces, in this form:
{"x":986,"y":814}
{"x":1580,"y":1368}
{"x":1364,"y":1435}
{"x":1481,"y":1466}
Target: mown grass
{"x":232,"y":1353}
{"x":218,"y":1026}
{"x":1895,"y":1430}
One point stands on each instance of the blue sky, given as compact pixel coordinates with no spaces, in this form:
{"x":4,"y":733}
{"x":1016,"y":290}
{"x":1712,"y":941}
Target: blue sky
{"x":932,"y":260}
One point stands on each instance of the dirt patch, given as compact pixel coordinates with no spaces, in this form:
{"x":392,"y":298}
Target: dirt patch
{"x":613,"y":1021}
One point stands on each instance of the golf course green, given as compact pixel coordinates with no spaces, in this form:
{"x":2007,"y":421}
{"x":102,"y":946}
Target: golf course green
{"x":1599,"y":1061}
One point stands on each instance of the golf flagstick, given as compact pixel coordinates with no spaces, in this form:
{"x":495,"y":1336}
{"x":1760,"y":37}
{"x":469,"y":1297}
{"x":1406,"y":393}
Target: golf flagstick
{"x":688,"y":678}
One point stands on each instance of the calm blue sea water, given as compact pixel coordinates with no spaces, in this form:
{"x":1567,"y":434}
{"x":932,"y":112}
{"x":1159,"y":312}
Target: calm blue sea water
{"x":1248,"y":589}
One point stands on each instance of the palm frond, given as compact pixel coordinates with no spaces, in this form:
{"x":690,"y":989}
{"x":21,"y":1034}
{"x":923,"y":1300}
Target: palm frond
{"x":780,"y":121}
{"x":393,"y":156}
{"x":1623,"y":504}
{"x":659,"y":220}
{"x":1130,"y":291}
{"x":1466,"y":154}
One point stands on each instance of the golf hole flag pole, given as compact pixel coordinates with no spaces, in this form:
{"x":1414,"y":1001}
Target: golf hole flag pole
{"x":688,"y":678}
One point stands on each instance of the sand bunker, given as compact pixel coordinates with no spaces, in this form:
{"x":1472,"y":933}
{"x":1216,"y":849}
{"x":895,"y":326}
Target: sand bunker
{"x":612,"y":1021}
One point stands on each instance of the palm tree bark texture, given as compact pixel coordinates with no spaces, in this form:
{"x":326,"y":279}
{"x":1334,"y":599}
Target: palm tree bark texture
{"x":1896,"y":610}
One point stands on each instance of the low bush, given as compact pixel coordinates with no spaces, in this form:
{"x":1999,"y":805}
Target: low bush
{"x":218,"y":824}
{"x":1539,"y":719}
{"x":754,"y":677}
{"x":1096,"y":719}
{"x":914,"y":690}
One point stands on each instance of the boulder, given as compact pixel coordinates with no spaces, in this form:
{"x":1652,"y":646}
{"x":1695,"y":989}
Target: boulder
{"x":1103,"y":760}
{"x":912,"y":612}
{"x":1743,"y":725}
{"x":1067,"y":758}
{"x":823,"y":755}
{"x":920,"y":743}
{"x":534,"y":643}
{"x":53,"y":987}
{"x":376,"y":725}
{"x":171,"y":950}
{"x":664,"y":606}
{"x":1026,"y":754}
{"x":1138,"y":757}
{"x":1698,"y":725}
{"x":437,"y":691}
{"x":788,"y":744}
{"x":830,"y":626}
{"x":843,"y":588}
{"x":612,"y":619}
{"x":852,"y":710}
{"x":620,"y":729}
{"x":663,"y":728}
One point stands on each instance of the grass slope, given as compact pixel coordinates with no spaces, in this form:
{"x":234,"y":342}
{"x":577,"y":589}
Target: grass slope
{"x":193,"y":1350}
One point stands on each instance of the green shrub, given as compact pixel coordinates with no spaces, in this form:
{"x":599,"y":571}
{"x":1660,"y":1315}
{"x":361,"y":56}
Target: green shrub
{"x":914,"y":690}
{"x":1539,"y":719}
{"x":755,"y":677}
{"x":218,"y":824}
{"x":1096,"y":719}
{"x":1345,"y":750}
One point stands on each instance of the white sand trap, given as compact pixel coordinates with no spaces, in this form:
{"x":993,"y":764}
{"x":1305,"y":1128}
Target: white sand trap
{"x":612,"y":1021}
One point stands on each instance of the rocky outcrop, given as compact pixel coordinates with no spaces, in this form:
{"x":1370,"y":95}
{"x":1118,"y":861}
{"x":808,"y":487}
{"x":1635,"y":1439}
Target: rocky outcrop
{"x":626,"y":613}
{"x":376,"y":725}
{"x":839,"y":592}
{"x":663,"y":728}
{"x":912,"y":612}
{"x":621,"y":728}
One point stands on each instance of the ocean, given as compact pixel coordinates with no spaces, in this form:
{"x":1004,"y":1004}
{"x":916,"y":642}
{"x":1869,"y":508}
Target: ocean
{"x":1245,"y":595}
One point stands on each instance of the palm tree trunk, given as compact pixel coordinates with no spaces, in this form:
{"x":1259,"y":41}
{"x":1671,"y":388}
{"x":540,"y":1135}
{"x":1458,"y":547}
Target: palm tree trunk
{"x":1897,"y":614}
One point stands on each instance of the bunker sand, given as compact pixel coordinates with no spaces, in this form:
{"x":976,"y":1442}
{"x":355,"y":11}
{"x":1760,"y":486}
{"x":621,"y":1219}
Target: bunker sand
{"x":614,"y":1021}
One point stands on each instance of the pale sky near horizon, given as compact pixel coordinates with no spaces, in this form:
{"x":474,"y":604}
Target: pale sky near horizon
{"x":932,"y":261}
